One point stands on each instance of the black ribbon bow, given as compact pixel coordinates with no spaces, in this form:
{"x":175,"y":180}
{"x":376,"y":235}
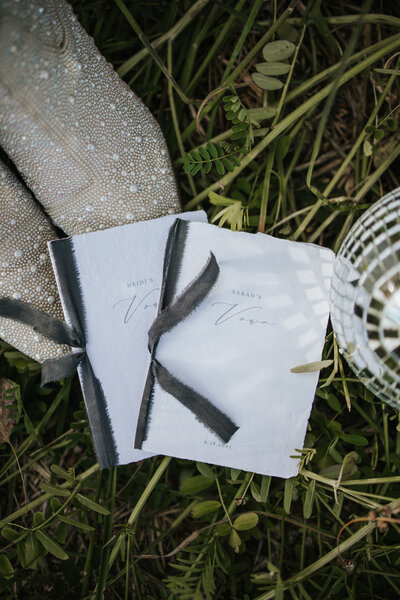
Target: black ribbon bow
{"x":170,"y":313}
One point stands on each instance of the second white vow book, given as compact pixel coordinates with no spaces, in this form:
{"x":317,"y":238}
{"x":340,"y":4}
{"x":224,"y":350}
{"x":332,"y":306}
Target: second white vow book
{"x":266,"y":313}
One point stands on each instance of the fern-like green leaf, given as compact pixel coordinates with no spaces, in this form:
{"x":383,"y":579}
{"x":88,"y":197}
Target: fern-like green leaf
{"x":220,"y":167}
{"x":239,"y":135}
{"x":203,"y":152}
{"x":195,"y":155}
{"x":228,"y":164}
{"x":212,"y":150}
{"x":235,"y":160}
{"x":195,"y":169}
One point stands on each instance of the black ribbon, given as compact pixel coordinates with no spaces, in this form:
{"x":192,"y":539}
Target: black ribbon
{"x":46,"y":325}
{"x":51,"y":328}
{"x":170,"y":313}
{"x":73,"y":336}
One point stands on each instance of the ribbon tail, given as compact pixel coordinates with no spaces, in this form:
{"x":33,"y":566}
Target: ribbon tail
{"x":143,"y":418}
{"x":208,"y":414}
{"x":95,"y":401}
{"x":60,"y":368}
{"x":186,"y":303}
{"x":45,"y":324}
{"x":172,"y":261}
{"x":99,"y":418}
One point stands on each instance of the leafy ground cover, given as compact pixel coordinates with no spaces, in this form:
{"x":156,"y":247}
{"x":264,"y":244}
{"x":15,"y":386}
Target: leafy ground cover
{"x":293,"y":139}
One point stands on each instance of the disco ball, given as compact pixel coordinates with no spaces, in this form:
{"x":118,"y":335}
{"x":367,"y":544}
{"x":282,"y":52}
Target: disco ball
{"x":365,"y":298}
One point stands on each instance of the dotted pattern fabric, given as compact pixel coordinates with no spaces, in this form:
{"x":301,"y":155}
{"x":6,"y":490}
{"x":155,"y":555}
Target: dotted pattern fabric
{"x":25,"y":269}
{"x":365,"y":298}
{"x":88,"y":148}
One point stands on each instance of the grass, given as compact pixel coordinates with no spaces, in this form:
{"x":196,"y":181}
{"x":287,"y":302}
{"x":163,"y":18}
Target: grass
{"x":174,"y":529}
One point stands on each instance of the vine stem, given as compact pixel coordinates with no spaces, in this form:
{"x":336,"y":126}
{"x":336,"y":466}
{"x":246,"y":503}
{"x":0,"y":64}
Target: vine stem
{"x":22,"y":476}
{"x":248,"y":478}
{"x":175,"y":116}
{"x":140,"y":503}
{"x":88,"y":561}
{"x":105,"y":552}
{"x":222,"y":501}
{"x":61,"y":395}
{"x":137,"y":29}
{"x":169,"y":35}
{"x":148,"y":489}
{"x":321,"y":562}
{"x":271,"y":155}
{"x":45,"y":497}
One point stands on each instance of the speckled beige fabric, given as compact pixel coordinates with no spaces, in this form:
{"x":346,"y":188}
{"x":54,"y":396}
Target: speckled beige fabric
{"x":25,"y":269}
{"x":87,"y":147}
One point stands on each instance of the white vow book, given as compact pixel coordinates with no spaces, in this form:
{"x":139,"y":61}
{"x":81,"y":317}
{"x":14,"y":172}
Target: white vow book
{"x":113,"y":278}
{"x":266,"y":313}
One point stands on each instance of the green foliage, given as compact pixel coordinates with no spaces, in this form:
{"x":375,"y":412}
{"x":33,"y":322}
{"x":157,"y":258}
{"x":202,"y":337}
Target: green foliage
{"x":243,"y":123}
{"x":274,"y":53}
{"x":206,"y":470}
{"x":220,"y":157}
{"x":204,"y":508}
{"x":52,"y":489}
{"x":92,"y":505}
{"x":377,"y":133}
{"x":305,"y":456}
{"x":174,"y":529}
{"x":309,"y":500}
{"x":245,"y":521}
{"x":197,"y":572}
{"x":233,"y":212}
{"x":278,"y":51}
{"x":225,"y":157}
{"x":6,"y":568}
{"x":196,"y":484}
{"x":50,"y":545}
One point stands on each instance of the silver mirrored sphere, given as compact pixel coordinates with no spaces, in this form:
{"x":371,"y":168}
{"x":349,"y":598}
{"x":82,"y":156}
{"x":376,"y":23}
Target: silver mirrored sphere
{"x":365,"y":298}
